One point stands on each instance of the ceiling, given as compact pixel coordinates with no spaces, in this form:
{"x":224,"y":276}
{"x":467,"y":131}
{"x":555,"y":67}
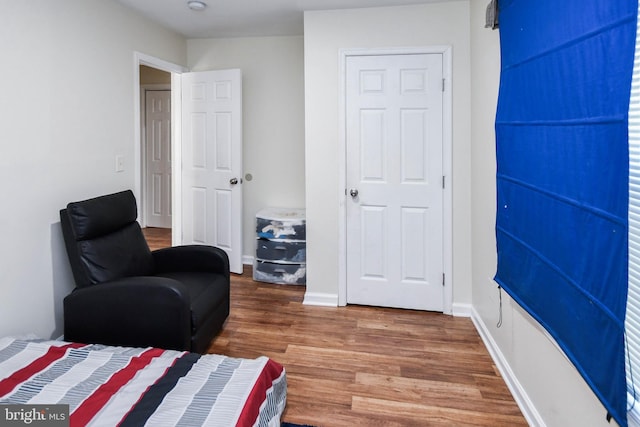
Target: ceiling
{"x":244,"y":18}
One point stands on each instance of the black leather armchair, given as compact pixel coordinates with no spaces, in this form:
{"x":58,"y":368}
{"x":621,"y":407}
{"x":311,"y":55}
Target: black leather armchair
{"x":173,"y":298}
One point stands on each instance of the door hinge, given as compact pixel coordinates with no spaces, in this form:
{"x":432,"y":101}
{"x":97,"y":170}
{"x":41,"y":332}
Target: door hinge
{"x":443,"y":84}
{"x":442,"y":279}
{"x":443,"y":182}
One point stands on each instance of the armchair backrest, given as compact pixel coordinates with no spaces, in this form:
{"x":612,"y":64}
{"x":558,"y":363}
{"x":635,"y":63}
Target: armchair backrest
{"x":103,"y":239}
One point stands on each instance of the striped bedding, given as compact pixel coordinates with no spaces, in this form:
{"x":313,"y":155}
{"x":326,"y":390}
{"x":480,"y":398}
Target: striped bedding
{"x":109,"y":386}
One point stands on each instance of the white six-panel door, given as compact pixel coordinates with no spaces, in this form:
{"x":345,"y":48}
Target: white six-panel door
{"x":394,"y":206}
{"x":212,"y":161}
{"x":158,"y":158}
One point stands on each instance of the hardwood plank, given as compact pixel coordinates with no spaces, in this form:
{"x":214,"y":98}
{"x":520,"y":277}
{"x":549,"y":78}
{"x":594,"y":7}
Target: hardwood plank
{"x":413,"y":390}
{"x":429,"y":415}
{"x":437,"y":393}
{"x":342,"y":359}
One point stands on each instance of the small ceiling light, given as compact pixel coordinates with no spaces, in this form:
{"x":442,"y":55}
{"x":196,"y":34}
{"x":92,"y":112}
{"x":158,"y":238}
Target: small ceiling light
{"x":196,"y":5}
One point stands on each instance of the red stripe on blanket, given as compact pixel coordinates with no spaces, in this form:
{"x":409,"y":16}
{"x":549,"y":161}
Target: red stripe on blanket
{"x":92,"y":404}
{"x":271,"y":371}
{"x":54,"y":353}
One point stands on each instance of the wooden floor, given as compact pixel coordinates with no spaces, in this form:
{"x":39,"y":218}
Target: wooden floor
{"x":364,"y":366}
{"x":157,"y":238}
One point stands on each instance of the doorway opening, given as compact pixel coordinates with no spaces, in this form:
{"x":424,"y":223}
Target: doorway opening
{"x":155,"y":135}
{"x":152,"y":77}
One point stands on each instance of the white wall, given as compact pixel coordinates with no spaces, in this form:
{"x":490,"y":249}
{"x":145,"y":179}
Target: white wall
{"x":273,"y":118}
{"x":67,"y":109}
{"x":541,"y":376}
{"x":326,"y":32}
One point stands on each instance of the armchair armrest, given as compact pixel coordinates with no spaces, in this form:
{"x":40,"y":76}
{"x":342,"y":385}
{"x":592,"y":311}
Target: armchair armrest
{"x":135,"y":311}
{"x":191,"y":258}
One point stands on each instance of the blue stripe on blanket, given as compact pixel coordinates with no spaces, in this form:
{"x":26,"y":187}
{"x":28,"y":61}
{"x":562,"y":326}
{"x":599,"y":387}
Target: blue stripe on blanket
{"x":197,"y":413}
{"x":153,"y":397}
{"x":272,"y":409}
{"x":12,"y":349}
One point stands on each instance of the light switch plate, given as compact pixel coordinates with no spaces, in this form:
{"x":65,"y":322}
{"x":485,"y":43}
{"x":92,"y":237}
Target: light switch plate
{"x":119,"y":163}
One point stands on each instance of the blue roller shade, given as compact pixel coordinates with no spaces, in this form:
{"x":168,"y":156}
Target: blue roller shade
{"x":562,"y":177}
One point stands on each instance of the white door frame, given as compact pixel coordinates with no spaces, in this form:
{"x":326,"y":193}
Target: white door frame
{"x":176,"y":139}
{"x":447,"y":121}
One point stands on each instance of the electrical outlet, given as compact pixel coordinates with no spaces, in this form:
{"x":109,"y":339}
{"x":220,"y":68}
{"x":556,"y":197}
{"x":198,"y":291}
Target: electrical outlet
{"x":119,"y":163}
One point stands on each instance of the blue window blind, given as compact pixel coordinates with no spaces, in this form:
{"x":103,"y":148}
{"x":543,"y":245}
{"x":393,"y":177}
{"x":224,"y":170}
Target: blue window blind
{"x":562,"y":177}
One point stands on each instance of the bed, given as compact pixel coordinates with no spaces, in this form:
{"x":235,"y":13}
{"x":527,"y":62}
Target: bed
{"x":109,"y":386}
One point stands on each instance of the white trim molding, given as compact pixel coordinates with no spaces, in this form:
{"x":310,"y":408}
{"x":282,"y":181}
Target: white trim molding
{"x":320,"y":299}
{"x":518,"y":392}
{"x":461,"y":310}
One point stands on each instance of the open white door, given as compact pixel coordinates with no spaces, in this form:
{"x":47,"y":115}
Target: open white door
{"x":212,"y":161}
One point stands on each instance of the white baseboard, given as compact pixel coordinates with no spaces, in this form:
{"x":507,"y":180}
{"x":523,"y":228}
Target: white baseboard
{"x":320,"y":299}
{"x":247,"y":259}
{"x":461,"y":310}
{"x":519,"y":394}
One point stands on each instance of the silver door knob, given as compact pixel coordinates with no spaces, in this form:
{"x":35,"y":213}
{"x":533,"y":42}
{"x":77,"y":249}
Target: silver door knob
{"x":233,"y":181}
{"x":353,"y":192}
